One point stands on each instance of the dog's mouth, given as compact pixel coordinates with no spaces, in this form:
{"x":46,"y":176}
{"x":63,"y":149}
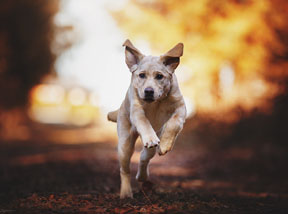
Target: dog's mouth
{"x":149,"y":99}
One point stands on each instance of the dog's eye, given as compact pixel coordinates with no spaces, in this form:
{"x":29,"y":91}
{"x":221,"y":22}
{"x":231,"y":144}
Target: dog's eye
{"x":142,"y":75}
{"x":159,"y":76}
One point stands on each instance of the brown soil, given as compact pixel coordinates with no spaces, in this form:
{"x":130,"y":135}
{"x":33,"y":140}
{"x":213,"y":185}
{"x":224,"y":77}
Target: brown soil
{"x":193,"y":178}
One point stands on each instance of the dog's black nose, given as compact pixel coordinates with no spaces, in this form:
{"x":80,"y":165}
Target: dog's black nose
{"x":149,"y":92}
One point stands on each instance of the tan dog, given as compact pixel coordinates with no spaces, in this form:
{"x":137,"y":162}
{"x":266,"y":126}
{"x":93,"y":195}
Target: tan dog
{"x":153,"y":108}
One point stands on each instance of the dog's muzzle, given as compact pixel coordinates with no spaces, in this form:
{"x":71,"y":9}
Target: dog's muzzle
{"x":149,"y":94}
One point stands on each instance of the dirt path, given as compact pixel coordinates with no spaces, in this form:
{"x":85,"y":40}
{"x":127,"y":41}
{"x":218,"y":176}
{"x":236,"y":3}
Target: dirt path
{"x":84,"y":178}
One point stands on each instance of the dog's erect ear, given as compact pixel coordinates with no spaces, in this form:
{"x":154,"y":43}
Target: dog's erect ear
{"x":172,"y":58}
{"x":132,"y":55}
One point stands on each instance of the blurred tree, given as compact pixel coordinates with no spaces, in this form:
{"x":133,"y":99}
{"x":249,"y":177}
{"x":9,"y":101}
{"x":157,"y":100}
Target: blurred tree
{"x":26,"y":33}
{"x":28,"y":50}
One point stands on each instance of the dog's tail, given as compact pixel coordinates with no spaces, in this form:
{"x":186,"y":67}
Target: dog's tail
{"x":112,"y":116}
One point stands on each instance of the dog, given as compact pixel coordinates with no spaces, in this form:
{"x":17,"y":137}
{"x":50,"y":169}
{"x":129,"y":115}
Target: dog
{"x":153,"y":109}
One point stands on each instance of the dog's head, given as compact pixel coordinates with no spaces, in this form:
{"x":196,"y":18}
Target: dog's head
{"x":151,"y":75}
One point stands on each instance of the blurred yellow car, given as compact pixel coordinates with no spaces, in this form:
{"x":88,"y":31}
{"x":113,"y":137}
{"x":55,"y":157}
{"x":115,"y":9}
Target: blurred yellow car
{"x":55,"y":104}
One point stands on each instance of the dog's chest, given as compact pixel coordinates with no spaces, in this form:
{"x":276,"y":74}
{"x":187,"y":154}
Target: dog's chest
{"x":158,"y":115}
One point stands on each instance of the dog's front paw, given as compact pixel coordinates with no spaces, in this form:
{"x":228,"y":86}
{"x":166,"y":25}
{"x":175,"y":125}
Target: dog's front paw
{"x":164,"y":147}
{"x":150,"y":141}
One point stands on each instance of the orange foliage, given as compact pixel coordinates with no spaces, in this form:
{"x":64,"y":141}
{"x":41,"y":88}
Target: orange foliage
{"x":228,"y":47}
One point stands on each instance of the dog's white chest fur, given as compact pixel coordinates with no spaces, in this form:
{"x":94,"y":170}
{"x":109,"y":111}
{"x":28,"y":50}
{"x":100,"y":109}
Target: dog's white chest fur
{"x":158,"y":114}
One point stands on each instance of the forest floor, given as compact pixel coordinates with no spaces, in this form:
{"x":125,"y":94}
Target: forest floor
{"x":193,"y":178}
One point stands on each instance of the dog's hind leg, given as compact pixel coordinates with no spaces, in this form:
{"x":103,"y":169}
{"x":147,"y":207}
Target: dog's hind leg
{"x":126,"y":144}
{"x":143,"y":169}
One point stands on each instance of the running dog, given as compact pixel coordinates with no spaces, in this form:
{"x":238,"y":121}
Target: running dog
{"x":153,"y":109}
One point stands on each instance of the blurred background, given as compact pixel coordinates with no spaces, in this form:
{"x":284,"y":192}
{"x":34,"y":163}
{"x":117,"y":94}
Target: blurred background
{"x":62,"y":69}
{"x":62,"y":63}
